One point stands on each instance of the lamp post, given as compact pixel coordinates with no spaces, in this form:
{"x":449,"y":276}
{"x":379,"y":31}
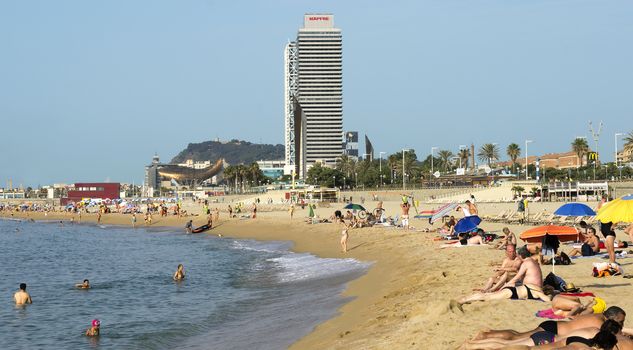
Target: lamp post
{"x":356,"y":179}
{"x":461,"y":147}
{"x":380,"y":166}
{"x":334,"y":177}
{"x":596,"y":137}
{"x":432,"y":149}
{"x":403,"y":180}
{"x":526,"y":158}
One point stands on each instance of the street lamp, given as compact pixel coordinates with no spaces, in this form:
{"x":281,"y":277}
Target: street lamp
{"x":380,"y":166}
{"x":403,"y":181}
{"x":461,"y":147}
{"x":334,"y":177}
{"x":432,"y":150}
{"x":526,"y":158}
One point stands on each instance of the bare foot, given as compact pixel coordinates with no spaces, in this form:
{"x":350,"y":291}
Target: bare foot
{"x":481,"y":335}
{"x":454,"y":304}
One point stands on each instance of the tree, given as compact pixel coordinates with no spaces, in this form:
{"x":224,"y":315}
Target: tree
{"x":580,"y":147}
{"x":445,"y":157}
{"x":488,"y":153}
{"x":464,"y":155}
{"x":513,"y":151}
{"x":628,"y":144}
{"x":517,"y":189}
{"x":324,"y":176}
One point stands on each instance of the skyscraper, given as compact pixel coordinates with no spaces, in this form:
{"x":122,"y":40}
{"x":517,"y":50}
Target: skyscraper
{"x":314,"y":75}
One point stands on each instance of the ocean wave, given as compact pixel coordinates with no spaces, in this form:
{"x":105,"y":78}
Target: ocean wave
{"x":297,"y":267}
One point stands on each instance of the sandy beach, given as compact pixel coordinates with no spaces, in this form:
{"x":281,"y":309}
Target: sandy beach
{"x":402,"y":302}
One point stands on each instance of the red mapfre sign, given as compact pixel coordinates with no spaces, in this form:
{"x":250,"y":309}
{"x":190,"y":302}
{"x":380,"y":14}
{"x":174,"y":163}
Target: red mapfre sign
{"x":319,"y":18}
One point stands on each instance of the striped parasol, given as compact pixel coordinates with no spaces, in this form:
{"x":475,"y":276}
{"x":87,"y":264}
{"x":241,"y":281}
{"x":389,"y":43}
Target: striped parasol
{"x":443,"y":211}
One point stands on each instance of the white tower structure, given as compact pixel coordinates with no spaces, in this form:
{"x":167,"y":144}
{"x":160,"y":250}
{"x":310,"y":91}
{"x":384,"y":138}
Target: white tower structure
{"x":314,"y":76}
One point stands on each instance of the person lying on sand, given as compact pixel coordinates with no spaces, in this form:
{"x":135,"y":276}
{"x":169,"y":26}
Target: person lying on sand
{"x":503,"y":273}
{"x":600,"y":338}
{"x":531,"y":289}
{"x":571,"y":306}
{"x":557,"y":328}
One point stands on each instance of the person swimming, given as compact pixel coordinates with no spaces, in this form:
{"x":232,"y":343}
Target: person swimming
{"x":179,"y":275}
{"x":84,"y":285}
{"x":94,"y":330}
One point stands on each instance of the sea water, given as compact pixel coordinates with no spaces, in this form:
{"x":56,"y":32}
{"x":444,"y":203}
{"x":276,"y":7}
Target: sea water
{"x":238,"y":294}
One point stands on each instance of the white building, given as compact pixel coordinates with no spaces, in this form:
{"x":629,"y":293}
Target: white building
{"x":314,"y":76}
{"x":189,"y":163}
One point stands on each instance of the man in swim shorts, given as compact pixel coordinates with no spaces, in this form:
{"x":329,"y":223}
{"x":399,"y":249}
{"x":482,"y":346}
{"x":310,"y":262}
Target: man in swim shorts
{"x":529,"y":274}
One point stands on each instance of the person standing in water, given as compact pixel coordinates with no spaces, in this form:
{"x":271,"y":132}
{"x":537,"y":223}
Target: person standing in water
{"x":21,"y":297}
{"x":94,"y":330}
{"x":179,"y":275}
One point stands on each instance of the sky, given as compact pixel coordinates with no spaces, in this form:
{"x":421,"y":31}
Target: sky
{"x":90,"y":90}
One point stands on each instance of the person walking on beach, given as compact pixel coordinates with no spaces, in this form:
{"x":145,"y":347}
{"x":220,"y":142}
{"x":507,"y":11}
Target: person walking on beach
{"x":93,"y":331}
{"x":291,"y":210}
{"x":230,"y":212}
{"x":344,"y":237}
{"x":133,"y":220}
{"x":254,"y":211}
{"x":22,"y":297}
{"x":99,"y":217}
{"x":179,"y":275}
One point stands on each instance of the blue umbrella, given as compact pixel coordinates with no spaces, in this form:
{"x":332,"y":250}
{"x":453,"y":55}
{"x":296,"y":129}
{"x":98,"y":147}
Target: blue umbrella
{"x":467,"y":224}
{"x":575,"y":209}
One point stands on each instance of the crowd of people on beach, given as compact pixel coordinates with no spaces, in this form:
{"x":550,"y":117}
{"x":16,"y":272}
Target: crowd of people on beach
{"x":578,"y":320}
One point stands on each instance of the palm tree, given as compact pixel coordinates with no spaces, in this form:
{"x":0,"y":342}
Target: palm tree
{"x":464,"y":155}
{"x":580,"y":147}
{"x":628,"y":144}
{"x":445,"y":156}
{"x":488,"y":152}
{"x":513,"y":151}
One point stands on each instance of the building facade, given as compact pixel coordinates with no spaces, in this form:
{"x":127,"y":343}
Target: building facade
{"x":350,"y":144}
{"x":314,"y":76}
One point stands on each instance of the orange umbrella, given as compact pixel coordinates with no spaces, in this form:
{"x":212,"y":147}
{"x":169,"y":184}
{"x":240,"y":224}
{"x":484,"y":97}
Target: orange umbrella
{"x":564,"y":233}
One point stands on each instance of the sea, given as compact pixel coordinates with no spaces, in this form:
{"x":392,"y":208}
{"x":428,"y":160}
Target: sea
{"x":237,"y":294}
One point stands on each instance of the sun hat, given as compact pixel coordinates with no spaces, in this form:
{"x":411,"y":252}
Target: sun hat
{"x":600,"y":306}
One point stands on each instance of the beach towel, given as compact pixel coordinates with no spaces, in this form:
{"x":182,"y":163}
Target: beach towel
{"x":583,"y":294}
{"x":549,"y":313}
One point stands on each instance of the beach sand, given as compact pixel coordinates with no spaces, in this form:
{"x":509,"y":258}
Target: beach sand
{"x":402,"y":302}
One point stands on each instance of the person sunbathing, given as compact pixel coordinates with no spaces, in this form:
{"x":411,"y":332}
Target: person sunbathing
{"x":557,"y":328}
{"x":503,"y":273}
{"x":590,"y":247}
{"x":476,"y":239}
{"x":603,"y":337}
{"x":571,"y":306}
{"x":531,"y":289}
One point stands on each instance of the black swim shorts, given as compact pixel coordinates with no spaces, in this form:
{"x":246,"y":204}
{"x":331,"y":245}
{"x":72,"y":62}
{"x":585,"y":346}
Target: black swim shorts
{"x":607,"y":229}
{"x":549,"y":326}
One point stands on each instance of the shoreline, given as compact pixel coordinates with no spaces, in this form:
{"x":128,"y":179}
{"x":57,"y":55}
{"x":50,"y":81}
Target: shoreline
{"x":402,"y":301}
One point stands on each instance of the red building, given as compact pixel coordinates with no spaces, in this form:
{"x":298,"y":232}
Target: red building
{"x":101,"y":190}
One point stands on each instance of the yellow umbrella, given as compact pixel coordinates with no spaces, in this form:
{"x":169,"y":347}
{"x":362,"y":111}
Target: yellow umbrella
{"x":618,"y":210}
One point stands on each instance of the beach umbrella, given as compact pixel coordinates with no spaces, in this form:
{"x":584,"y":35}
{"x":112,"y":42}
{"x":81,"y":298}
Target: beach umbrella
{"x":575,"y":209}
{"x":564,"y":233}
{"x":352,"y":206}
{"x":443,"y":211}
{"x":467,"y":224}
{"x":618,"y":210}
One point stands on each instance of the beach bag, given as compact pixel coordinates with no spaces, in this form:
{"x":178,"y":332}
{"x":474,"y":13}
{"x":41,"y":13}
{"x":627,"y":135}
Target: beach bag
{"x":555,"y":282}
{"x":563,"y":259}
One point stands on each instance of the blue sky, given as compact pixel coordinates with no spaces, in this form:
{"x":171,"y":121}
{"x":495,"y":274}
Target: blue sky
{"x":90,"y":90}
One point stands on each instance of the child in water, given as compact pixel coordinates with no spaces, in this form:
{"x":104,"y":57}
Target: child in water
{"x":94,"y":330}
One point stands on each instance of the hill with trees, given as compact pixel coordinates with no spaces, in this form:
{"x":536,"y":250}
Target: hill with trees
{"x":234,"y":152}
